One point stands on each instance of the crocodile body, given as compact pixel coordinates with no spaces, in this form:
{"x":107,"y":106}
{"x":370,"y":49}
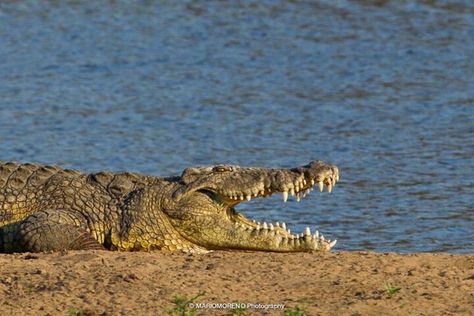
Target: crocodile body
{"x":47,"y":208}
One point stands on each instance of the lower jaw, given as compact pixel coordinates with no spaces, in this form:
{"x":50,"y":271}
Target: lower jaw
{"x":276,"y":237}
{"x":265,"y":240}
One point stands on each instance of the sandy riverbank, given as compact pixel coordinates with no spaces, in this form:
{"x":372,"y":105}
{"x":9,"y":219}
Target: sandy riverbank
{"x":345,"y":283}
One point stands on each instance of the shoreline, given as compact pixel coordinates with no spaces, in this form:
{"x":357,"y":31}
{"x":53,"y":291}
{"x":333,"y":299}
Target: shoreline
{"x":337,"y":283}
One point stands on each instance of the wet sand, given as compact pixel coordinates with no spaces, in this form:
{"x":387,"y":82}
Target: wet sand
{"x":340,"y":283}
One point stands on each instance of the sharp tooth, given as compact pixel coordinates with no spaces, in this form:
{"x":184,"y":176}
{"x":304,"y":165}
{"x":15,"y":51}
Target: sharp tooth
{"x":277,"y":224}
{"x":241,"y":197}
{"x":292,"y":192}
{"x":255,"y":194}
{"x":248,"y":197}
{"x":330,"y":187}
{"x":332,"y":244}
{"x":265,"y":226}
{"x":312,"y":182}
{"x":254,"y":221}
{"x":289,"y":231}
{"x":258,"y":223}
{"x":316,"y":234}
{"x":321,"y":186}
{"x":307,"y":231}
{"x":301,"y":235}
{"x":271,"y":226}
{"x":284,"y":195}
{"x":258,"y":226}
{"x":337,"y":176}
{"x":322,"y":237}
{"x":298,"y":197}
{"x":304,"y":182}
{"x":262,"y":192}
{"x":283,"y":225}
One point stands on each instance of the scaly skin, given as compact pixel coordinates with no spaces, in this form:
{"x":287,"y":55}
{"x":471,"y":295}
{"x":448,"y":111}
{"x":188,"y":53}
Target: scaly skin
{"x":45,"y":208}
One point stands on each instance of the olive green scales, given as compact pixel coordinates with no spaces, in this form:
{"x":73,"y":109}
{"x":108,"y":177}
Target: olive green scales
{"x":46,"y":208}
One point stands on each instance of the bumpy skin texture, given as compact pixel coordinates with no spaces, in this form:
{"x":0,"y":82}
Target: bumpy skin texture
{"x":46,"y":208}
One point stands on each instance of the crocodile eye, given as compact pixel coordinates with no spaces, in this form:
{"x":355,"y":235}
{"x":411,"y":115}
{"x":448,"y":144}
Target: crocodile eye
{"x":220,"y":169}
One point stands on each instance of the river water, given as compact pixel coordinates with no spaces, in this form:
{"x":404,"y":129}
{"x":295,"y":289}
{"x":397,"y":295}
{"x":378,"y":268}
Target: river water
{"x":383,"y":89}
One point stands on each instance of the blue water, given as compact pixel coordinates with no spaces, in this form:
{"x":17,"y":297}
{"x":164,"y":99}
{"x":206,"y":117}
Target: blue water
{"x":383,"y":89}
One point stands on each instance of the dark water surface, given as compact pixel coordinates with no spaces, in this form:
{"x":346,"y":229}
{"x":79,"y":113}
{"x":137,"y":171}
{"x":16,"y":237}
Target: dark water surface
{"x":384,"y":89}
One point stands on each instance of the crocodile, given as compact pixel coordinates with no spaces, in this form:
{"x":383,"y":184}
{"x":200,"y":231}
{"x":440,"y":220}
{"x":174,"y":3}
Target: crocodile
{"x":48,"y":208}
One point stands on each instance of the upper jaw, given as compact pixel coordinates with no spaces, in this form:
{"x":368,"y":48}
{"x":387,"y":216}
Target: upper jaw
{"x":237,"y":184}
{"x":296,"y":182}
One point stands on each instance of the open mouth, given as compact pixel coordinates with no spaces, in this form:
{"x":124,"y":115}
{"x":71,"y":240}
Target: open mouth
{"x":298,"y":186}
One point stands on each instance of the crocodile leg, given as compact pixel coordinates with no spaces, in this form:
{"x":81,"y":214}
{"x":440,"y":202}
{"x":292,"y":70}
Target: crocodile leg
{"x":49,"y":230}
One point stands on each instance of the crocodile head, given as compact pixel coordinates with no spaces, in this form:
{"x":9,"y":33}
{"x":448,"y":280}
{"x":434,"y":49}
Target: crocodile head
{"x":203,"y":211}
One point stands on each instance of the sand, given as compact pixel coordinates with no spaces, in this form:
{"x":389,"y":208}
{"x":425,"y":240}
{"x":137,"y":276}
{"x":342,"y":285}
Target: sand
{"x":340,"y":283}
